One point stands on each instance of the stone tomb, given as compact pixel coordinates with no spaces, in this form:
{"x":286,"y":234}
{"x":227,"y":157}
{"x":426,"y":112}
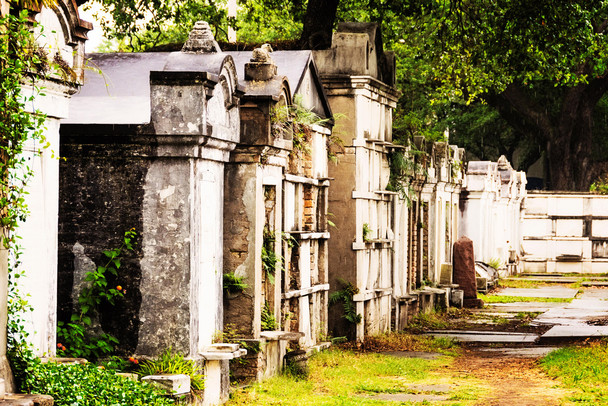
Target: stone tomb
{"x":275,"y":214}
{"x":145,"y":149}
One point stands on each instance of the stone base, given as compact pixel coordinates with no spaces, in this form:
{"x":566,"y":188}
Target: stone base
{"x":473,"y":303}
{"x":14,"y":399}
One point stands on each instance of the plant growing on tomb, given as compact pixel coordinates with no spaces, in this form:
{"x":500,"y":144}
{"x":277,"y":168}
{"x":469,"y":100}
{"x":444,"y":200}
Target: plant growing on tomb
{"x":270,"y":260}
{"x":403,"y":168}
{"x":295,"y":122}
{"x":600,"y":185}
{"x":269,"y":322}
{"x":367,"y":232}
{"x":233,"y":283}
{"x":20,"y":63}
{"x":495,"y":263}
{"x":345,"y":295}
{"x":76,"y":338}
{"x":170,"y":362}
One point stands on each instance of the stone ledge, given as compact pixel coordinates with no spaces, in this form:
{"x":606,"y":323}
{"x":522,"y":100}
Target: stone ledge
{"x":281,"y":335}
{"x":222,"y":351}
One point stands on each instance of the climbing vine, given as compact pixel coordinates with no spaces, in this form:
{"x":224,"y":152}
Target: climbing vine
{"x":21,"y":63}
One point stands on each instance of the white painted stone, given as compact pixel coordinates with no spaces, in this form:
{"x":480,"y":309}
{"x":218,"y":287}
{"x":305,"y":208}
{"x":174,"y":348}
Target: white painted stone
{"x":174,"y":384}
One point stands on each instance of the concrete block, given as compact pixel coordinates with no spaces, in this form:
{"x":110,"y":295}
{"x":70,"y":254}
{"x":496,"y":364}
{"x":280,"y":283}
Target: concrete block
{"x":174,"y":384}
{"x":569,"y":228}
{"x":599,"y":228}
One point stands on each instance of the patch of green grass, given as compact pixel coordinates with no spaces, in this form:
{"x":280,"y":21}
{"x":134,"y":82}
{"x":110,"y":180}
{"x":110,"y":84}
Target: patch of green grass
{"x":582,"y":368}
{"x":403,"y":341}
{"x":515,"y":299}
{"x":341,"y":377}
{"x":520,"y":283}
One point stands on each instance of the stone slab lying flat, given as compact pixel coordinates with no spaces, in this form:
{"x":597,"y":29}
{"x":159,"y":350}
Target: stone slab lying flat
{"x":551,"y":292}
{"x":412,"y":354}
{"x":595,"y":283}
{"x":408,"y":397}
{"x":440,"y":388}
{"x":588,"y":304}
{"x":527,"y":352}
{"x":557,"y":333}
{"x":486,"y":336}
{"x":547,"y":279}
{"x":594,"y":294}
{"x":524,"y":307}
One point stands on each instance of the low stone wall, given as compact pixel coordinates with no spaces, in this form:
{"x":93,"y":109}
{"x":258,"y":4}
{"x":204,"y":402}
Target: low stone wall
{"x":565,"y":232}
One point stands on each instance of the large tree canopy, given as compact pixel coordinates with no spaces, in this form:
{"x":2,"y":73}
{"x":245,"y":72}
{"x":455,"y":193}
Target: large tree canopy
{"x":503,"y":76}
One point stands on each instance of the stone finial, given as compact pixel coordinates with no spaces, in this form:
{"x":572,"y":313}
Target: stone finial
{"x":262,"y":54}
{"x":504,"y":164}
{"x":261,"y":66}
{"x":201,"y":39}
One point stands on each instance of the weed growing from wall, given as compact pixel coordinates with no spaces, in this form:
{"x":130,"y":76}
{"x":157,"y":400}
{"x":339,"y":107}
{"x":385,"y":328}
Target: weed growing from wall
{"x":345,"y":295}
{"x":77,"y":338}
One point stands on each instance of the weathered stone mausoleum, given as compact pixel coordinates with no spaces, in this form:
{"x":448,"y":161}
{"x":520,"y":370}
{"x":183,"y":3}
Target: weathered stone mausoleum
{"x":275,"y":229}
{"x":147,"y":152}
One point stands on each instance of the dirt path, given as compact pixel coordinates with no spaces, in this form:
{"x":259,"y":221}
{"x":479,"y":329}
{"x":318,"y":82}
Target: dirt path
{"x":512,"y":381}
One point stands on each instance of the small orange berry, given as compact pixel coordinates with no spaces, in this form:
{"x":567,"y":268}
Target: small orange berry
{"x":118,"y":287}
{"x":62,"y":348}
{"x":136,"y":362}
{"x":59,"y":345}
{"x":131,"y":359}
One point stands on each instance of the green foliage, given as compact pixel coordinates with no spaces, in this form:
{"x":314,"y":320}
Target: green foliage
{"x":295,"y":122}
{"x":21,"y":61}
{"x":77,"y":338}
{"x":269,"y":322}
{"x":403,"y":168}
{"x":495,"y":263}
{"x":234,"y":283}
{"x":271,"y":262}
{"x":18,"y":64}
{"x":600,"y":186}
{"x":173,"y":363}
{"x":366,"y":232}
{"x":345,"y":295}
{"x":89,"y":385}
{"x":582,"y":368}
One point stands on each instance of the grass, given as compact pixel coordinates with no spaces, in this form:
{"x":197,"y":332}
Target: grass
{"x":345,"y":377}
{"x":520,"y":283}
{"x":515,"y":299}
{"x":582,"y":368}
{"x":402,"y":341}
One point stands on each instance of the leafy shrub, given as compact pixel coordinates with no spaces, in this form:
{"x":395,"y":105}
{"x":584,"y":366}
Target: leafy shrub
{"x":600,"y":186}
{"x":89,"y":385}
{"x":173,"y":363}
{"x":345,"y":295}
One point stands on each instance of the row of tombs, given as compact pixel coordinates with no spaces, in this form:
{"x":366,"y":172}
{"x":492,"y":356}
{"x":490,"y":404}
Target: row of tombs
{"x":246,"y":230}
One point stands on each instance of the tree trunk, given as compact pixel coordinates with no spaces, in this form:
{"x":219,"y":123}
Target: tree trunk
{"x":568,"y":136}
{"x":318,"y":24}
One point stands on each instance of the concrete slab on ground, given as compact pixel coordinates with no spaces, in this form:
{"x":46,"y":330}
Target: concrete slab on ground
{"x":408,"y":397}
{"x":550,"y":292}
{"x":545,"y":279}
{"x":527,"y":352}
{"x":412,"y":354}
{"x":601,"y":294}
{"x":485,"y":336}
{"x":570,"y":316}
{"x":522,"y":307}
{"x":595,"y":283}
{"x":558,"y":333}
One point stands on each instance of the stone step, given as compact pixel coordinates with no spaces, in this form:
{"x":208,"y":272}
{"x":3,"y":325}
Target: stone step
{"x":544,"y":279}
{"x":595,"y":283}
{"x":553,"y":292}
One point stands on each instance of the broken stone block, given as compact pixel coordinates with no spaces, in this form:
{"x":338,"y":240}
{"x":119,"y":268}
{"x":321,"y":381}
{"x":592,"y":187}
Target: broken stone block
{"x":464,"y":271}
{"x":174,"y":384}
